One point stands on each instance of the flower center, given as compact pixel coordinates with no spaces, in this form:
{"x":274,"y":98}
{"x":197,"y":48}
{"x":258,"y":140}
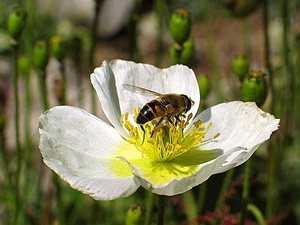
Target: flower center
{"x":165,"y":140}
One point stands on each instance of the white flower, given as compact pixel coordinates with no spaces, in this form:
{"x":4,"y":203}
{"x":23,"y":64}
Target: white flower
{"x":112,"y":161}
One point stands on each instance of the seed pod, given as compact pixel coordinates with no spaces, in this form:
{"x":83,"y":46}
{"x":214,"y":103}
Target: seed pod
{"x":24,"y":65}
{"x":134,"y":215}
{"x":16,"y":22}
{"x":40,"y":55}
{"x":57,"y":48}
{"x":240,"y":66}
{"x":180,"y":26}
{"x":255,"y":88}
{"x":204,"y":86}
{"x":182,"y":55}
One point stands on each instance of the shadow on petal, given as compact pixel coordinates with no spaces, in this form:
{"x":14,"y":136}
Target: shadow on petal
{"x":195,"y":156}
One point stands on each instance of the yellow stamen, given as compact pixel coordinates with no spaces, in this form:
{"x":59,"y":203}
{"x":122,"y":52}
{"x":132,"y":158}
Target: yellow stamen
{"x":165,"y":141}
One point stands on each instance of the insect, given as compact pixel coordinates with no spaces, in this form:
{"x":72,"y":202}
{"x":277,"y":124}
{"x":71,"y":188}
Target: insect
{"x":163,"y":106}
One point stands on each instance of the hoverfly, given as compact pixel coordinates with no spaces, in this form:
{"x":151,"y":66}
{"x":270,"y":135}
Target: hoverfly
{"x":163,"y":106}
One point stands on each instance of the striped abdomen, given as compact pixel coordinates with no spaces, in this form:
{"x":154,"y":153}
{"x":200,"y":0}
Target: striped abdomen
{"x":150,"y":111}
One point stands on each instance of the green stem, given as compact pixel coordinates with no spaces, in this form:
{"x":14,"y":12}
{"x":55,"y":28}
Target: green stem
{"x":191,"y":205}
{"x":162,"y":12}
{"x":291,"y":90}
{"x":149,"y":206}
{"x":257,"y":214}
{"x":4,"y":163}
{"x":132,"y":32}
{"x":27,"y":112}
{"x":28,"y":144}
{"x":272,"y":154}
{"x":64,"y":83}
{"x":161,"y":209}
{"x":60,"y":202}
{"x":211,"y":48}
{"x":246,"y":37}
{"x":267,"y":49}
{"x":201,"y":196}
{"x":225,"y":185}
{"x":43,"y":88}
{"x":18,"y":203}
{"x":93,"y":49}
{"x":245,"y":194}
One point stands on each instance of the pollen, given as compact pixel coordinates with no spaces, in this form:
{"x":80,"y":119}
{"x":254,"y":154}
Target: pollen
{"x":167,"y":140}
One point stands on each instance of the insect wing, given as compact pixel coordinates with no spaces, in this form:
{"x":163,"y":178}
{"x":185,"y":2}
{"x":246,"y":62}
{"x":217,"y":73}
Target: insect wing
{"x":140,"y":90}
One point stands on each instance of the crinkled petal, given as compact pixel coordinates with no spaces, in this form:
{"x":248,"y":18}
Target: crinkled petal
{"x":108,"y":82}
{"x":242,"y":126}
{"x":78,"y":147}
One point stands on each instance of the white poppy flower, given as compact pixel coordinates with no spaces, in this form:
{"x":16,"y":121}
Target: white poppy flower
{"x":112,"y":161}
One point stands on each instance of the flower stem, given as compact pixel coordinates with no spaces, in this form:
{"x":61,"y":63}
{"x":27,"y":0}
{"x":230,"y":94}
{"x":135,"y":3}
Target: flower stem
{"x":191,"y":205}
{"x":64,"y":83}
{"x":246,"y":37}
{"x":245,"y":192}
{"x":18,"y":203}
{"x":271,"y":152}
{"x":162,"y":11}
{"x":149,"y":206}
{"x":211,"y":49}
{"x":267,"y":48}
{"x":43,"y":88}
{"x":161,"y":209}
{"x":93,"y":49}
{"x":225,"y":185}
{"x":257,"y":214}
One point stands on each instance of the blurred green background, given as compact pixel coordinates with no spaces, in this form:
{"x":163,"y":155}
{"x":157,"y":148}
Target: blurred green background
{"x":63,"y":41}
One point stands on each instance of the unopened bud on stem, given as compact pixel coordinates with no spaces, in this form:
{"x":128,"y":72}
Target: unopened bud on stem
{"x":180,"y":26}
{"x":16,"y":22}
{"x":255,"y":88}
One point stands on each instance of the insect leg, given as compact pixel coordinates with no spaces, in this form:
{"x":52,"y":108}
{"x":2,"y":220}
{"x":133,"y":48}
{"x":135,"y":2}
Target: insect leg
{"x":143,"y":129}
{"x":155,"y":126}
{"x":177,"y":120}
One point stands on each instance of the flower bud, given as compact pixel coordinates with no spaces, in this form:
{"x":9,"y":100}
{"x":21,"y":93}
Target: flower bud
{"x":204,"y":86}
{"x":16,"y":22}
{"x":24,"y":65}
{"x":255,"y":88}
{"x":182,"y":55}
{"x":134,"y":215}
{"x":240,"y":66}
{"x":40,"y":55}
{"x":180,"y":26}
{"x":57,"y":48}
{"x":241,"y":8}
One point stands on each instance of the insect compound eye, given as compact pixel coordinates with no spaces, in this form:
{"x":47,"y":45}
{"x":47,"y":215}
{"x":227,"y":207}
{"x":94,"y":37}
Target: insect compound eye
{"x":188,"y":102}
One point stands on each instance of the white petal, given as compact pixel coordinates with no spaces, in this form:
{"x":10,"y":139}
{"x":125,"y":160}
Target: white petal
{"x":103,"y":80}
{"x":77,"y":146}
{"x":242,"y":126}
{"x":176,"y":79}
{"x":178,"y":186}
